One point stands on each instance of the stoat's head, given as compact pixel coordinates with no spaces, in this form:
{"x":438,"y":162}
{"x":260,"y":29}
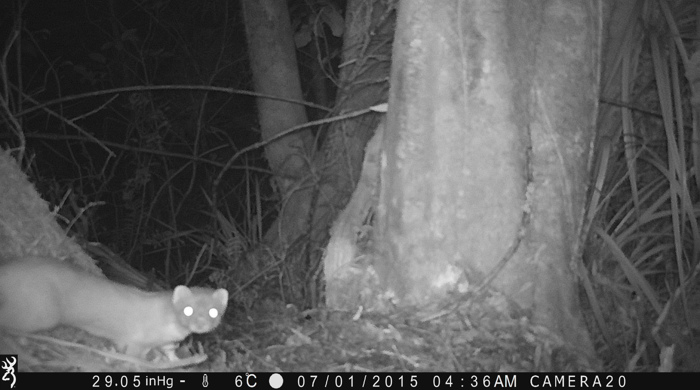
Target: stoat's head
{"x":199,"y":309}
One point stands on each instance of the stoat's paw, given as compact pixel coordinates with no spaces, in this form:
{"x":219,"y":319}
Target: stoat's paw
{"x":168,"y":351}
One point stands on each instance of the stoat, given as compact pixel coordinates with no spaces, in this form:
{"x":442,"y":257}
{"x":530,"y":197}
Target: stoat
{"x":38,"y":294}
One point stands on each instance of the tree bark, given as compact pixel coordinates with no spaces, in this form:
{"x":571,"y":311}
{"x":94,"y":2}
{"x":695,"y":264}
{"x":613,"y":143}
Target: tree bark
{"x":275,"y":72}
{"x":485,"y":155}
{"x":363,"y":82}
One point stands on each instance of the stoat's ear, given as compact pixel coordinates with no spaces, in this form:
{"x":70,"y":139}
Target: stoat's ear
{"x":221,"y":295}
{"x":180,"y":293}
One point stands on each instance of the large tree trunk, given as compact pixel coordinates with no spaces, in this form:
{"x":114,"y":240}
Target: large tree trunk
{"x":485,"y":157}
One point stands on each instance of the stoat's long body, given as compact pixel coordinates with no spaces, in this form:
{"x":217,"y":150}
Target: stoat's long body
{"x":38,"y":294}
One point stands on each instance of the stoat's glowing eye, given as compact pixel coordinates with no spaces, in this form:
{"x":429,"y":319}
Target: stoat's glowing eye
{"x":213,"y":313}
{"x":188,"y":310}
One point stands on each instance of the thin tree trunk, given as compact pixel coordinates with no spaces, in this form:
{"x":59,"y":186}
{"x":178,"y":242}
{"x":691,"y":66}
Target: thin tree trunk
{"x":275,"y":72}
{"x":363,"y":83}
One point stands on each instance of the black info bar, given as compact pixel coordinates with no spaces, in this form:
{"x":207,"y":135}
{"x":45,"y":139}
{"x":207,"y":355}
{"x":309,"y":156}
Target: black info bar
{"x":354,"y":380}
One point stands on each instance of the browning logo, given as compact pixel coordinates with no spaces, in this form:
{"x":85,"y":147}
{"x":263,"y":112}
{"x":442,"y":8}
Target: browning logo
{"x":7,"y":363}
